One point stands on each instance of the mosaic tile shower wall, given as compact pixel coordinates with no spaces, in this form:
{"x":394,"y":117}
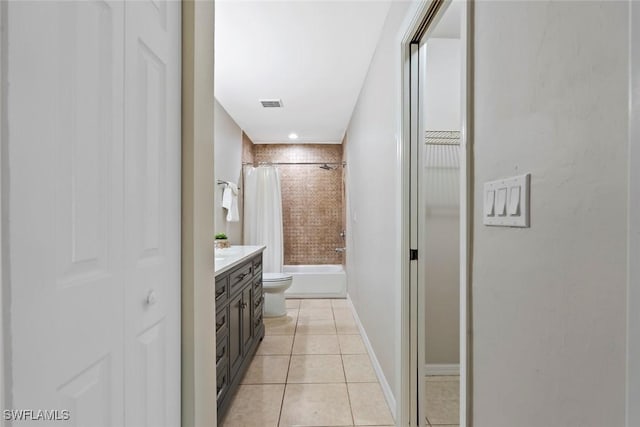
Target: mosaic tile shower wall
{"x":248,"y":149}
{"x":312,"y":201}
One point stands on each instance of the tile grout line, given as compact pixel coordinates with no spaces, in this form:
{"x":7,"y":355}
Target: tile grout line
{"x":344,"y":371}
{"x":291,"y":355}
{"x":286,"y":379}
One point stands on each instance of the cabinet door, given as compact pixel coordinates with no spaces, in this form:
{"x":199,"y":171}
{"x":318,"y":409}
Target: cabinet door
{"x":247,"y":319}
{"x":235,"y":334}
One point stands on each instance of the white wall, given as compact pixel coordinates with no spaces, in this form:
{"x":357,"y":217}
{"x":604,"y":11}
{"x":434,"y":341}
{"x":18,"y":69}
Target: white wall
{"x":442,"y":85}
{"x":633,"y":298}
{"x":372,"y":216}
{"x":228,"y":167}
{"x":549,"y":302}
{"x":440,"y":242}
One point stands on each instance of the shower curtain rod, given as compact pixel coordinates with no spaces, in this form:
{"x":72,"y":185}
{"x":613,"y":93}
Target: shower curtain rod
{"x":293,"y":163}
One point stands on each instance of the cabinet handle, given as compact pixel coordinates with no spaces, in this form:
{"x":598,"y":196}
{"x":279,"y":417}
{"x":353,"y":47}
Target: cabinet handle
{"x":224,"y":351}
{"x":220,"y":325}
{"x":241,"y":277}
{"x":258,"y":302}
{"x":220,"y":292}
{"x":243,"y":305}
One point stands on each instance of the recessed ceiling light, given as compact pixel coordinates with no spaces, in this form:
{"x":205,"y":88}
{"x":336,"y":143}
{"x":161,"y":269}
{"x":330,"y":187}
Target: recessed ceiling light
{"x":293,"y":135}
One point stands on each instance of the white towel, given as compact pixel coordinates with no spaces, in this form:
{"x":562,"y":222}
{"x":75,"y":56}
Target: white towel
{"x":230,"y":202}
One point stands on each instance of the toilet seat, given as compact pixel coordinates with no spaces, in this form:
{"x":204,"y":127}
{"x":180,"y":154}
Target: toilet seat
{"x":276,"y":277}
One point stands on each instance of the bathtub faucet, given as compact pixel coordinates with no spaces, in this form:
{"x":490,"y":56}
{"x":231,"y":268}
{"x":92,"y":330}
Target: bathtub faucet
{"x":341,"y":250}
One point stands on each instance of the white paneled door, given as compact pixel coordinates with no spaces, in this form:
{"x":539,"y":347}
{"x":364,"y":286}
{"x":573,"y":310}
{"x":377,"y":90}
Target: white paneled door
{"x":93,"y":144}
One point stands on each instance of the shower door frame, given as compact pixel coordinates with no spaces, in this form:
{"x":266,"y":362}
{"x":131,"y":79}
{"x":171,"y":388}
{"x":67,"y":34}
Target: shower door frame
{"x":423,"y":22}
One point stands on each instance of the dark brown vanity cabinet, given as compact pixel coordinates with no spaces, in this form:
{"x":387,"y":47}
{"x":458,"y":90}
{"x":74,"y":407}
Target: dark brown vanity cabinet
{"x":239,"y":326}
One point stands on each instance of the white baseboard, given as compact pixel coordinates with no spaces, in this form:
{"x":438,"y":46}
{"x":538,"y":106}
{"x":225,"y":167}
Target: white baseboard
{"x":312,"y":295}
{"x":386,"y":388}
{"x":433,"y":369}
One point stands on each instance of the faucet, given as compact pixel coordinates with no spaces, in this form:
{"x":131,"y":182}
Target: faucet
{"x":341,"y":250}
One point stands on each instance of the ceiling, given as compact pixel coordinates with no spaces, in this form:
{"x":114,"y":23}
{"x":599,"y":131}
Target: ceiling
{"x":313,"y":55}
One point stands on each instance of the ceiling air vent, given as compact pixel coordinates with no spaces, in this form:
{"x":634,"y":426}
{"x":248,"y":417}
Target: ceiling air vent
{"x":271,"y":103}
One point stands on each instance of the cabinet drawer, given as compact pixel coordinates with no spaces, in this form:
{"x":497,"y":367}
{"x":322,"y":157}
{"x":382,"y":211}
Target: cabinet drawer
{"x":222,"y":353}
{"x":257,"y":320}
{"x":222,"y":323}
{"x":257,"y":302}
{"x":222,"y":377}
{"x":257,"y":266}
{"x":257,"y":285}
{"x":222,"y":290}
{"x":240,"y":277}
{"x":258,"y":312}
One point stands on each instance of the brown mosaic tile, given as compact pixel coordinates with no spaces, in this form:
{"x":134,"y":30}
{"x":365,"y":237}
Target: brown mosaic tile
{"x":248,"y":149}
{"x":344,"y":197}
{"x":312,"y":201}
{"x":298,"y":153}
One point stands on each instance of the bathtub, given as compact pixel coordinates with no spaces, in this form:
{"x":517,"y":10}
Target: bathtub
{"x":317,"y":281}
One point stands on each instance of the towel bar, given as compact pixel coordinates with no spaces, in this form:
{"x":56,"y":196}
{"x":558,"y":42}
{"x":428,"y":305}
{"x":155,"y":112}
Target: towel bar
{"x":221,"y":182}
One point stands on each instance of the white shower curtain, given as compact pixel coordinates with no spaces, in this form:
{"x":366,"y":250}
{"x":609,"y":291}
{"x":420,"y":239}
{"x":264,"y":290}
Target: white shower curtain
{"x":263,"y":215}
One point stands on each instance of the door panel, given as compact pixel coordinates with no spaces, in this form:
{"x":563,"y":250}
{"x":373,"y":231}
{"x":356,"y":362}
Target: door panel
{"x":152,"y":213}
{"x":149,"y":119}
{"x":86,"y":82}
{"x":65,"y":207}
{"x":87,"y":395}
{"x":150,"y":355}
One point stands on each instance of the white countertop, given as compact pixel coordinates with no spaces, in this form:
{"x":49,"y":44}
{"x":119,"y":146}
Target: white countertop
{"x":228,"y":258}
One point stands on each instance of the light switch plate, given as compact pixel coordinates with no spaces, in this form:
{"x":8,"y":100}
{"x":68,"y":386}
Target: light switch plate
{"x":510,"y":199}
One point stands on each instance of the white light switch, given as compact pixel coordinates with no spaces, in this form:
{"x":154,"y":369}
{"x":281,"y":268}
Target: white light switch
{"x":501,"y":202}
{"x":489,"y":207}
{"x":514,"y":201}
{"x":506,"y":202}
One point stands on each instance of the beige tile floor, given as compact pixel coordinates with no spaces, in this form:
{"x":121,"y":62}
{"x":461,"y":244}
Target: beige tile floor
{"x":311,"y":369}
{"x":442,"y":400}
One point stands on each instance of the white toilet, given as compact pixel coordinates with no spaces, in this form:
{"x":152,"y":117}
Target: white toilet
{"x":274,"y":285}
